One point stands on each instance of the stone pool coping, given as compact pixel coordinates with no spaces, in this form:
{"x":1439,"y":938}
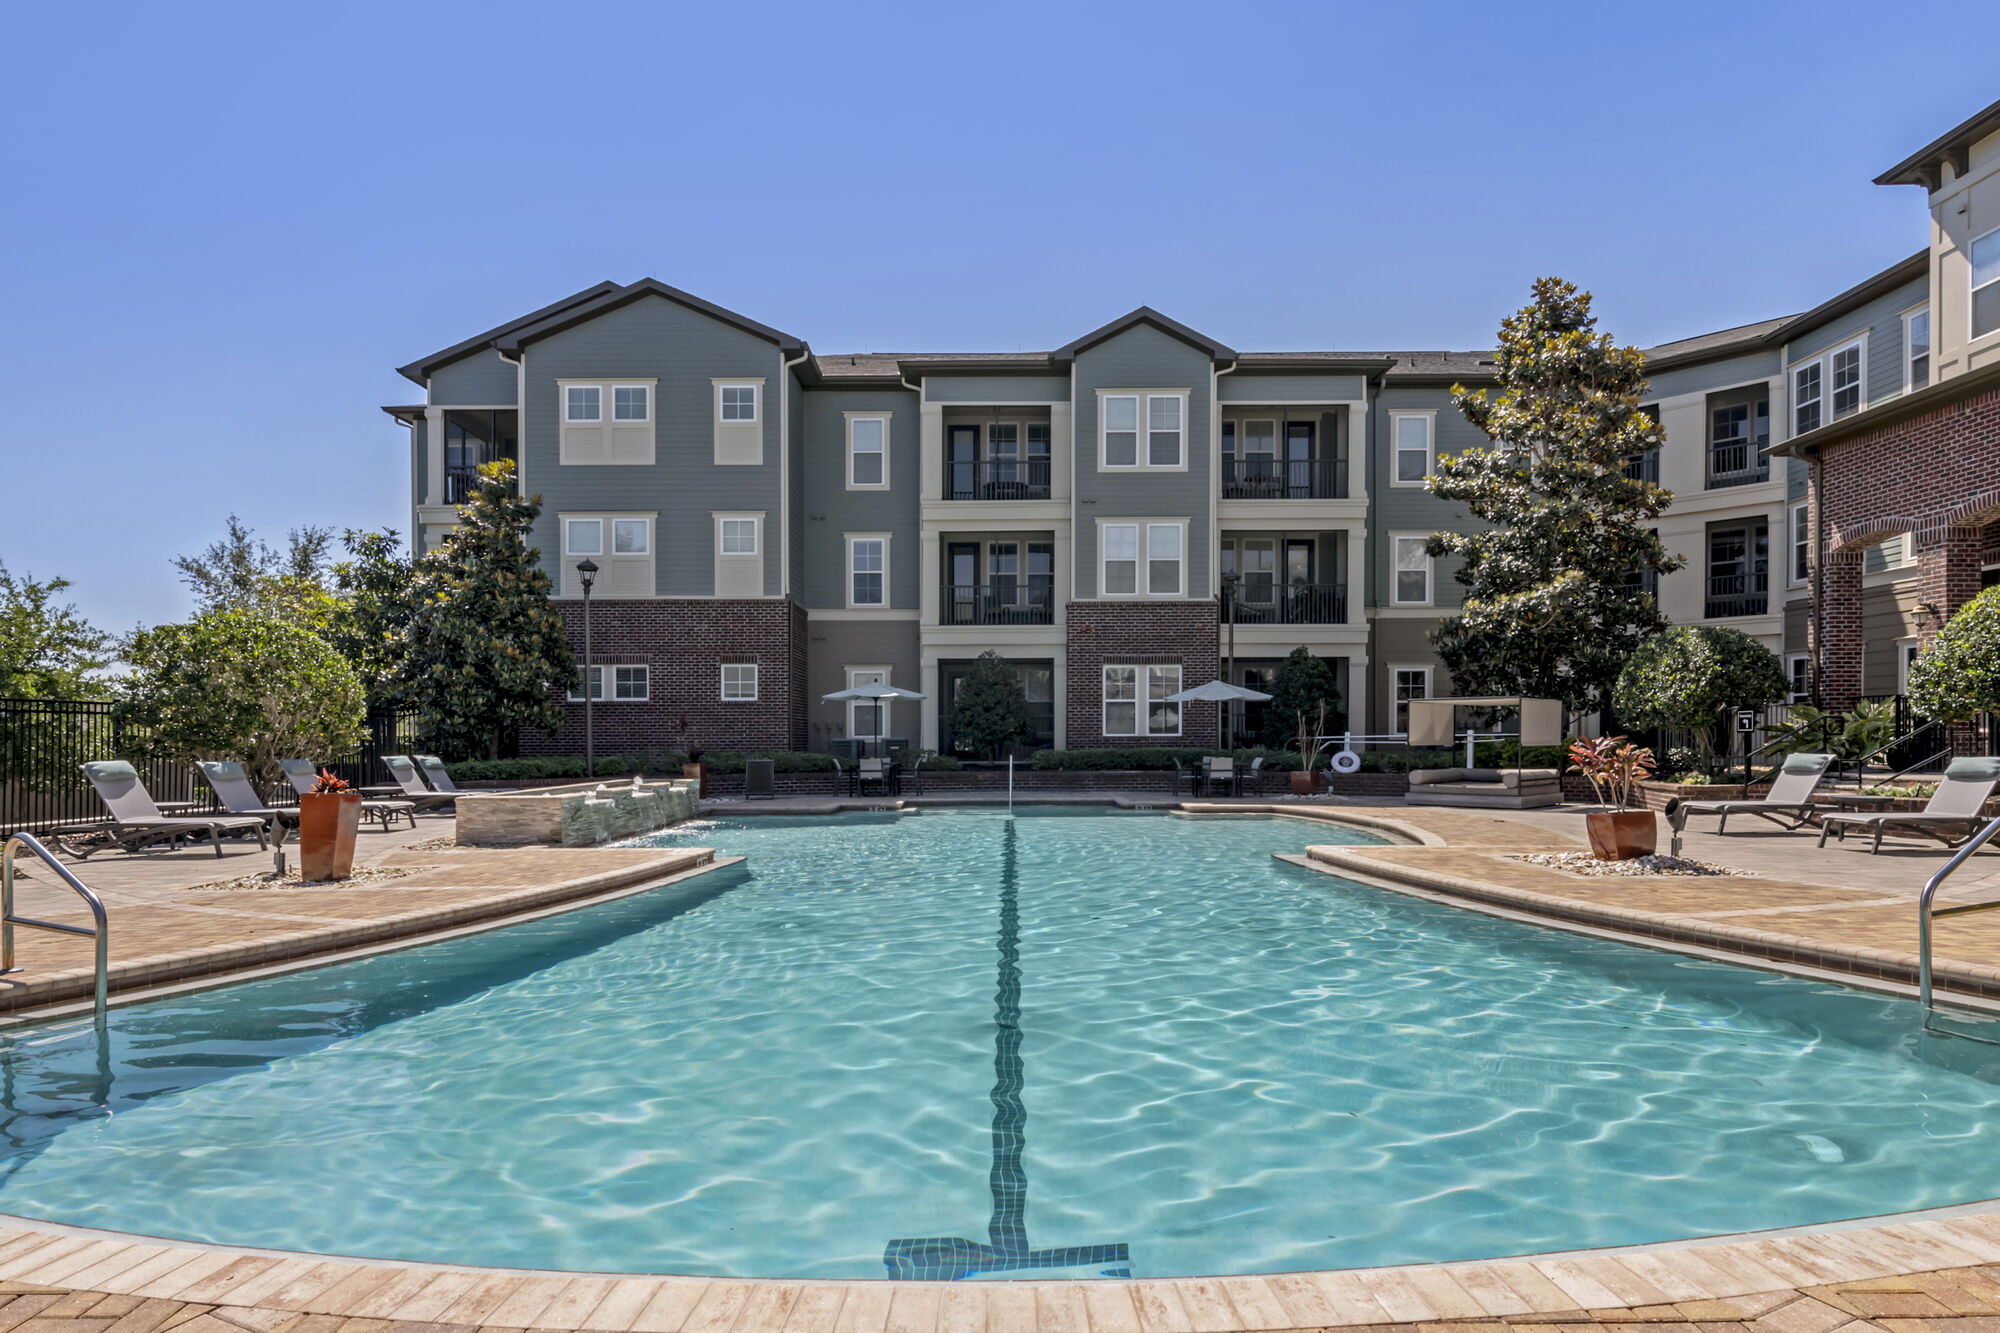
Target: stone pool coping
{"x":1909,"y":1273}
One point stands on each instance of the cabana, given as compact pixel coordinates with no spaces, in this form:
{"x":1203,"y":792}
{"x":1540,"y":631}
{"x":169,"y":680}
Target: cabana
{"x":1432,"y":724}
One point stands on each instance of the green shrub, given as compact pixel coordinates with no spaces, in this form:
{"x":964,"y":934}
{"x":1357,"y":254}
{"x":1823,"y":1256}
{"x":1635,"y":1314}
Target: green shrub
{"x":1957,"y":677}
{"x":1160,"y":757}
{"x":536,"y":767}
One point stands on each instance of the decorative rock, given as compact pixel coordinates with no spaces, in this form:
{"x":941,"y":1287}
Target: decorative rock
{"x":574,"y":816}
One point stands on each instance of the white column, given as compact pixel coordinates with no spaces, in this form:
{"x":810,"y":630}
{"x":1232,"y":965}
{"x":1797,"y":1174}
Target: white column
{"x":930,"y":575}
{"x":1060,"y":451}
{"x":1357,"y":452}
{"x":1357,"y":576}
{"x":931,"y":443}
{"x":927,"y":711}
{"x":1065,"y":577}
{"x":1062,"y":700}
{"x":434,"y":459}
{"x":1357,"y":693}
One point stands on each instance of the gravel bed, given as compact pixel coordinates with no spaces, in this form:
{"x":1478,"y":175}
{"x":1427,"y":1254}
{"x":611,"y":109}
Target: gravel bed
{"x":1584,"y":863}
{"x":290,"y":879}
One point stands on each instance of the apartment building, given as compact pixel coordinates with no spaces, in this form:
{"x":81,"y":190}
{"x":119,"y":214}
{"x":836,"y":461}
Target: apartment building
{"x":1138,"y":510}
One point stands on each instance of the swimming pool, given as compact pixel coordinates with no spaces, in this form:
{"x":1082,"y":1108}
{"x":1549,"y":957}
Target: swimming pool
{"x":959,"y":1045}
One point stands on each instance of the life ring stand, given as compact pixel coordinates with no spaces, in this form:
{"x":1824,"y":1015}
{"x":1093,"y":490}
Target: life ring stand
{"x":1345,"y":761}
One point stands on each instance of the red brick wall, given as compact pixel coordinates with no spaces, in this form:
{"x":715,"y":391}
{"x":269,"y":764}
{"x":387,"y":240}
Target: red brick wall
{"x":684,"y":643}
{"x":1142,"y":634}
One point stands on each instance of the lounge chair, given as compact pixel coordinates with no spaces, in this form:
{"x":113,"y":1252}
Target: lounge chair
{"x":1788,"y":803}
{"x":404,"y":770}
{"x":136,"y":821}
{"x":434,"y":773}
{"x":1954,"y":813}
{"x":231,"y":786}
{"x":302,"y":775}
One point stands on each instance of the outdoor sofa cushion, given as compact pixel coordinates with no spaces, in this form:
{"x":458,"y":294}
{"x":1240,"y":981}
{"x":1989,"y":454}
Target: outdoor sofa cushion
{"x":1424,"y":777}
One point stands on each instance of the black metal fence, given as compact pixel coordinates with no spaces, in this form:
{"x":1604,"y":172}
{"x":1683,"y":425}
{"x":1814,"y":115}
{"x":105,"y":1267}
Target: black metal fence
{"x":45,"y":742}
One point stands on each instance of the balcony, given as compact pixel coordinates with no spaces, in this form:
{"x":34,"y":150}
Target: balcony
{"x":1736,"y":463}
{"x":1289,"y":604}
{"x":1736,"y":595}
{"x":1644,"y":466}
{"x":1258,"y":478}
{"x":997,"y":479}
{"x":999,"y":602}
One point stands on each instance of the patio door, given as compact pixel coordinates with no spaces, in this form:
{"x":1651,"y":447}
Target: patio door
{"x":961,"y":454}
{"x":962,"y":592}
{"x":1298,"y":460}
{"x":868,"y":719}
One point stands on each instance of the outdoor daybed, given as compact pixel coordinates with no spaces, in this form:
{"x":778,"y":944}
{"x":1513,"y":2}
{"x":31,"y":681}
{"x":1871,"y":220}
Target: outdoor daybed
{"x":1517,"y":788}
{"x":1493,"y":788}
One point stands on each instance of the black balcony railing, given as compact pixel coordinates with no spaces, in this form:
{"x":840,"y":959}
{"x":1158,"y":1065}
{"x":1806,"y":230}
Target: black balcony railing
{"x":459,"y":483}
{"x":1289,"y":604}
{"x":1736,"y":463}
{"x":1736,"y":595}
{"x":1644,"y":466}
{"x":1284,"y":479}
{"x":997,"y":479}
{"x":1000,"y":602}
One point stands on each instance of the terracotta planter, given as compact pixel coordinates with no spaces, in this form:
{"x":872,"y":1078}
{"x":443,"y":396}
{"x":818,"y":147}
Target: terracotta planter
{"x":327,"y":825}
{"x":1620,"y":835}
{"x":1304,"y":782}
{"x":698,"y":773}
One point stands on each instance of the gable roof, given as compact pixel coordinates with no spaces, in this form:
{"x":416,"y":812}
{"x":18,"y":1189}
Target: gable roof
{"x":1217,"y":352}
{"x":509,"y":338}
{"x":420,"y":370}
{"x":1925,"y":167}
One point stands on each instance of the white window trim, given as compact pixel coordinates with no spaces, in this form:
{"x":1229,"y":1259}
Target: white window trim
{"x":756,"y":386}
{"x":1429,"y":414}
{"x":1142,"y":579}
{"x":1798,"y":659}
{"x":1930,"y":352}
{"x":576,"y":691}
{"x":1860,"y":346}
{"x":851,"y":418}
{"x":756,"y":522}
{"x":887,"y":706}
{"x":849,"y":538}
{"x":1143,"y":453}
{"x":1396,"y":669}
{"x":569,"y":522}
{"x":646,"y":693}
{"x":1970,"y":292}
{"x":568,"y":420}
{"x":645,"y":524}
{"x":1824,"y":359}
{"x":1141,"y":701}
{"x":615,"y":419}
{"x":1792,"y":400}
{"x":1903,"y":647}
{"x":1430,"y":570}
{"x":722,"y":683}
{"x":1792,"y":544}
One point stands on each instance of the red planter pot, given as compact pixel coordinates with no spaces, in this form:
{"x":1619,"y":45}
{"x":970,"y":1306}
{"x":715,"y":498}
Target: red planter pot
{"x":1620,"y":835}
{"x":1303,"y":783}
{"x":327,"y":826}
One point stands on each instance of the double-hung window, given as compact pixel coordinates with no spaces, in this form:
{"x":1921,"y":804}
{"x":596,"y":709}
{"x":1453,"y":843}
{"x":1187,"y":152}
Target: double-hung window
{"x":1917,"y":349}
{"x":593,"y":674}
{"x":1163,"y":559}
{"x":1985,"y":254}
{"x":1846,"y":377}
{"x":1829,"y":387}
{"x":867,"y":452}
{"x":1121,"y":430}
{"x":1137,"y":703}
{"x":1411,"y":683}
{"x":1163,"y":429}
{"x":1413,"y":571}
{"x":1121,"y":559}
{"x":1801,"y":544}
{"x":1808,"y":389}
{"x":739,"y":682}
{"x":1411,"y":432}
{"x":868,"y":571}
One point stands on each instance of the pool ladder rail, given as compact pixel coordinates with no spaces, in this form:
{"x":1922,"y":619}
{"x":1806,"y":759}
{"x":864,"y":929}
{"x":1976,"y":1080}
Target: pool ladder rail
{"x":8,"y":920}
{"x":1925,"y":912}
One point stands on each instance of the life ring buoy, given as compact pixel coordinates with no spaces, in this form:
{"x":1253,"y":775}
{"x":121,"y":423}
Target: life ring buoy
{"x":1345,"y":761}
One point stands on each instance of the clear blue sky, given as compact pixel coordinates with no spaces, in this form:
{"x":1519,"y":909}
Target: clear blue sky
{"x":223,"y":226}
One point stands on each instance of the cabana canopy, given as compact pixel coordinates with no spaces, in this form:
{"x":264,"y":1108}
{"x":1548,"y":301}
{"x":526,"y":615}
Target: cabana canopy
{"x":1431,"y":719}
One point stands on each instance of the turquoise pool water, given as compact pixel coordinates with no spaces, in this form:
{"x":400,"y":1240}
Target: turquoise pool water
{"x":959,"y":1045}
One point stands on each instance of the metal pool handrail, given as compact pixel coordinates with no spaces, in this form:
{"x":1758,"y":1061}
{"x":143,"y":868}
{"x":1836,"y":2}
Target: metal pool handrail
{"x":1924,"y":912}
{"x":8,"y":920}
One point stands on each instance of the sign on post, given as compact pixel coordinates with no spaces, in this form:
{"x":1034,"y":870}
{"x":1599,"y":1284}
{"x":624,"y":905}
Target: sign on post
{"x":1746,"y":719}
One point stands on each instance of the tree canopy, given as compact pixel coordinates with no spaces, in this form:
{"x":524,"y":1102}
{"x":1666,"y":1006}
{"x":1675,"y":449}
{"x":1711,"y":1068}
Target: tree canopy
{"x":238,"y":685}
{"x":1689,"y":675}
{"x":243,"y":572}
{"x":1556,"y":596}
{"x":47,"y":649}
{"x":372,"y":608}
{"x":990,"y":711}
{"x":1304,"y":682}
{"x":485,"y":647}
{"x":1957,"y":676}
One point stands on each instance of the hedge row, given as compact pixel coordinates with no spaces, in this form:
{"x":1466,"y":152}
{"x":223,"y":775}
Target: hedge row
{"x":657,"y":761}
{"x":1109,"y":760}
{"x":540,"y":766}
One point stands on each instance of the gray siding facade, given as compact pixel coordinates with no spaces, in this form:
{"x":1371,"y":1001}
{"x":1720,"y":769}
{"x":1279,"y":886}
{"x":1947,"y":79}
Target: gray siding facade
{"x":1143,"y":358}
{"x":831,"y":510}
{"x":997,"y":388}
{"x":1882,"y":320}
{"x":1243,"y":387}
{"x":1721,"y":374}
{"x":684,"y":350}
{"x":478,"y":379}
{"x":1408,"y":509}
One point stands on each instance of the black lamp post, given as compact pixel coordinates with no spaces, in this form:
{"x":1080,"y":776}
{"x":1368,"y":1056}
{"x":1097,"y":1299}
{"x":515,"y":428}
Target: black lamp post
{"x":586,"y":573}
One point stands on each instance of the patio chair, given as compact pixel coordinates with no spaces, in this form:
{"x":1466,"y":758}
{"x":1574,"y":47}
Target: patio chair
{"x":1788,"y":803}
{"x":1954,"y":812}
{"x":404,"y":770}
{"x":302,"y":775}
{"x":434,"y":773}
{"x":1221,"y":771}
{"x":136,"y":821}
{"x":231,"y":786}
{"x":867,"y":771}
{"x":1190,"y":775}
{"x":1256,"y":779}
{"x":759,"y":779}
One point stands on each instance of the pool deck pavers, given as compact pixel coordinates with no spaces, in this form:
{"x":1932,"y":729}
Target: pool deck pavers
{"x":1805,"y":907}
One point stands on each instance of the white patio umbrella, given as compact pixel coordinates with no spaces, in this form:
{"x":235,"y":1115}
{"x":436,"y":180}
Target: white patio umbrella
{"x":875,"y":694}
{"x":1219,"y":692}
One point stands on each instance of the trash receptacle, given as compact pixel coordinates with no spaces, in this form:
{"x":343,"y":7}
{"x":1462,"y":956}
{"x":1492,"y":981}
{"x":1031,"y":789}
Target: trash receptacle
{"x":758,"y":779}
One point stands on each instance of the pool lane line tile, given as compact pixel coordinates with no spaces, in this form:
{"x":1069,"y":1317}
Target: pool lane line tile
{"x":1109,"y":1309}
{"x":817,"y":1309}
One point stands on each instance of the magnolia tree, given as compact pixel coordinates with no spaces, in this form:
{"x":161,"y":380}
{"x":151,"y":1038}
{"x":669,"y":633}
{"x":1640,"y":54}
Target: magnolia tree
{"x":1555,"y":593}
{"x":1957,"y":676}
{"x":484,"y":648}
{"x":990,"y":711}
{"x":1304,"y":692}
{"x":238,"y":685}
{"x":1689,"y":675}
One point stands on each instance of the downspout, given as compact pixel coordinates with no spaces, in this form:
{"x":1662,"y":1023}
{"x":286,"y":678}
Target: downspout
{"x":785,"y":469}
